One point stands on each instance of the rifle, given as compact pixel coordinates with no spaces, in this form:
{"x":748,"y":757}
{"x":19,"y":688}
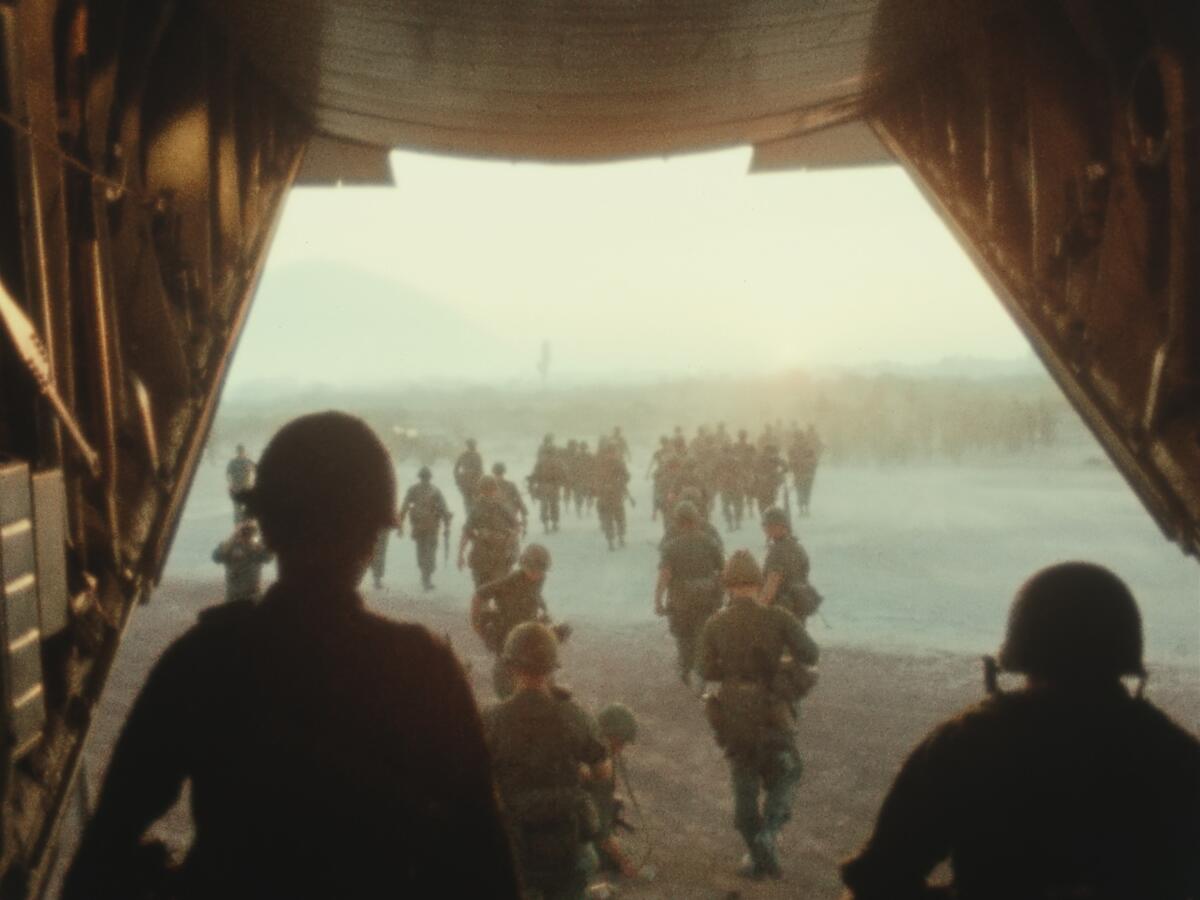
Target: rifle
{"x":446,"y":540}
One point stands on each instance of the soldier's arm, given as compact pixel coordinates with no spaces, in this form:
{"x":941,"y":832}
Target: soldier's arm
{"x":771,"y":584}
{"x":660,"y":588}
{"x":143,"y":781}
{"x":912,"y":834}
{"x":801,"y":645}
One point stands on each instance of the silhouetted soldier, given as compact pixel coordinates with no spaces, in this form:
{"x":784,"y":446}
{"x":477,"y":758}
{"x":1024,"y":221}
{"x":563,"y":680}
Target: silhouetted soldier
{"x":786,"y":567}
{"x":492,"y":532}
{"x":425,"y":509}
{"x":330,"y":752}
{"x":510,"y":495}
{"x":243,"y":556}
{"x":612,"y":487}
{"x":1069,"y":787}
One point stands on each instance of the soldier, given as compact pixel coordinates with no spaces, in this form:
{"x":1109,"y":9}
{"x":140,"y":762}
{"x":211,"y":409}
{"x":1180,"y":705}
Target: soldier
{"x":499,"y":606}
{"x":617,"y":439}
{"x":543,"y":746}
{"x":745,"y":456}
{"x":754,"y":651}
{"x":1066,"y":787}
{"x":806,"y":453}
{"x":612,"y":487}
{"x":661,"y":464}
{"x":425,"y":509}
{"x":587,"y":478}
{"x":618,"y":729}
{"x":492,"y":531}
{"x":468,"y":469}
{"x":329,"y":751}
{"x":786,"y":567}
{"x":769,"y":473}
{"x":692,"y":495}
{"x":570,"y":462}
{"x":243,"y":556}
{"x":546,"y":483}
{"x":687,"y":576}
{"x":239,"y":477}
{"x":510,"y":495}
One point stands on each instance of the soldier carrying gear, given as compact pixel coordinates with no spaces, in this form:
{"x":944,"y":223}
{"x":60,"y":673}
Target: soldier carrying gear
{"x":243,"y":556}
{"x":468,"y":470}
{"x":426,"y":510}
{"x":612,"y":487}
{"x":546,"y":483}
{"x":787,"y":567}
{"x":498,"y":607}
{"x":769,"y":473}
{"x":687,"y":577}
{"x":1067,"y":787}
{"x":544,"y":746}
{"x":510,"y":495}
{"x":745,"y":647}
{"x":618,"y":729}
{"x":492,"y":531}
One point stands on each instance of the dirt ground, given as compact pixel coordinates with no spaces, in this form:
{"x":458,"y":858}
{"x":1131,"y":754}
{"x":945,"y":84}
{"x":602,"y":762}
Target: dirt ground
{"x":857,"y":726}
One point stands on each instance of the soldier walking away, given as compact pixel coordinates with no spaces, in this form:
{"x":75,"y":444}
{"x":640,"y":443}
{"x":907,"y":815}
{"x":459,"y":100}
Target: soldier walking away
{"x":688,"y":574}
{"x":786,"y":568}
{"x":425,"y":509}
{"x":612,"y":487}
{"x":243,"y":556}
{"x":769,"y":473}
{"x":543,"y":745}
{"x":546,"y":483}
{"x":468,"y":469}
{"x":329,"y":751}
{"x":510,"y":495}
{"x":1066,"y":787}
{"x":618,"y":729}
{"x":729,"y":483}
{"x":805,"y":455}
{"x":499,"y":606}
{"x":760,"y":655}
{"x":239,"y":478}
{"x":493,"y":534}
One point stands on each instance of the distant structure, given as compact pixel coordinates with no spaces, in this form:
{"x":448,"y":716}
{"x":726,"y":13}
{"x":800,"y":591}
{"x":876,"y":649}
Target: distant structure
{"x":544,"y":361}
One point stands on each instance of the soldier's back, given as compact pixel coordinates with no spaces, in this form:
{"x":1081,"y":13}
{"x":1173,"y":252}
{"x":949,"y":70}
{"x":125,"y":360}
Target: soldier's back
{"x":749,"y":640}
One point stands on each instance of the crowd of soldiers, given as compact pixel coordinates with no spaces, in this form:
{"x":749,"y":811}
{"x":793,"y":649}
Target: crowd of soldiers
{"x":739,"y":474}
{"x":314,"y":659}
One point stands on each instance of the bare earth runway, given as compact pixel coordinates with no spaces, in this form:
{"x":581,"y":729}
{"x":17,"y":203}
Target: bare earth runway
{"x":918,"y":566}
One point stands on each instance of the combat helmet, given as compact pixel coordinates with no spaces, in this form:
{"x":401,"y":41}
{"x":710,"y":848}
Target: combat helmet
{"x":535,"y":557}
{"x":499,"y":469}
{"x":531,"y":648}
{"x":1076,"y":622}
{"x":741,"y":570}
{"x":775,"y":516}
{"x":686,"y":513}
{"x":324,"y":480}
{"x":487,"y":485}
{"x":424,"y":474}
{"x":617,"y":723}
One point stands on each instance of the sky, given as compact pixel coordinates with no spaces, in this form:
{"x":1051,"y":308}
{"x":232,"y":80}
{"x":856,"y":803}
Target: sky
{"x":686,"y":265}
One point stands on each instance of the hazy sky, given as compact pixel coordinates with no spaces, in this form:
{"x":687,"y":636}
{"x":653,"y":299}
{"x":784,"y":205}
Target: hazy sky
{"x":652,"y":266}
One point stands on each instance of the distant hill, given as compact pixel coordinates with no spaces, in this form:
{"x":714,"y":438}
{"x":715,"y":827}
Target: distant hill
{"x":326,"y":323}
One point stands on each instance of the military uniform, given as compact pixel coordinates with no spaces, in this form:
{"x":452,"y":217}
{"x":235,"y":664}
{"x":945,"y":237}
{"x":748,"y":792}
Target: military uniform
{"x":743,"y":646}
{"x":514,"y":599}
{"x":239,"y":476}
{"x":694,"y":561}
{"x":493,"y":531}
{"x":538,"y":741}
{"x":426,"y":511}
{"x":1043,"y":794}
{"x":243,"y":559}
{"x":546,"y":484}
{"x":510,"y":496}
{"x":787,"y":559}
{"x":612,"y":484}
{"x":769,"y":472}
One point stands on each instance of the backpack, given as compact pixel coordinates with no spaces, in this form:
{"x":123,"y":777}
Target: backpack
{"x":740,"y":713}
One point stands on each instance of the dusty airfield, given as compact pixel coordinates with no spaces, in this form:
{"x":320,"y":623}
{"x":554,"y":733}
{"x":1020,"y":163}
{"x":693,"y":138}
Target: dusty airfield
{"x":919,"y":561}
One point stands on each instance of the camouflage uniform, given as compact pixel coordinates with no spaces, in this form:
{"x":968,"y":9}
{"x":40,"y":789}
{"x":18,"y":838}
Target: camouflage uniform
{"x":538,"y":741}
{"x":243,"y":557}
{"x":743,"y":647}
{"x":693,"y":560}
{"x":426,"y":511}
{"x":493,"y":532}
